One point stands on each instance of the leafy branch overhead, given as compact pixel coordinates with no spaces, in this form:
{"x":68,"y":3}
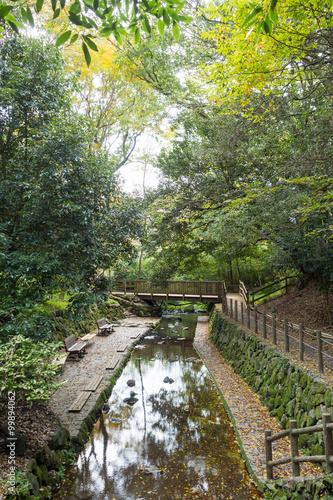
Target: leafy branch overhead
{"x":100,"y":18}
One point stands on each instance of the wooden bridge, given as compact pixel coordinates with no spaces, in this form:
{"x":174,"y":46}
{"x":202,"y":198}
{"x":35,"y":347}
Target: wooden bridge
{"x":195,"y":291}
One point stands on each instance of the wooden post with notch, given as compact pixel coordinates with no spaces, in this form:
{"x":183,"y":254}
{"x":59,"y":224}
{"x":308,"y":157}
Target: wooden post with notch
{"x":301,"y":342}
{"x":274,"y":328}
{"x":255,"y":320}
{"x":264,"y":329}
{"x":294,"y":448}
{"x":320,"y":352}
{"x":328,"y":442}
{"x":269,"y":455}
{"x":286,"y":335}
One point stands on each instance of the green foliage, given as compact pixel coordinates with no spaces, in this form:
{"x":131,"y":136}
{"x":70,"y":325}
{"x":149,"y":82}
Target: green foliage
{"x":118,"y":19}
{"x":26,"y":368}
{"x":62,"y":216}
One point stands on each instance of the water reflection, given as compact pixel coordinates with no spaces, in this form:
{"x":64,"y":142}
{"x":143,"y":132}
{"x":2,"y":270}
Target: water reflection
{"x":175,"y":442}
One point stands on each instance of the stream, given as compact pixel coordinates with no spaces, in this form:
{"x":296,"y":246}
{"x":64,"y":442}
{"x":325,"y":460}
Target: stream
{"x":170,"y":439}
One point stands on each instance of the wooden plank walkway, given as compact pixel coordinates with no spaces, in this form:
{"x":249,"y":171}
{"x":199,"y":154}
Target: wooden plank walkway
{"x":122,"y":347}
{"x":94,"y":383}
{"x":113,"y":362}
{"x":80,"y":401}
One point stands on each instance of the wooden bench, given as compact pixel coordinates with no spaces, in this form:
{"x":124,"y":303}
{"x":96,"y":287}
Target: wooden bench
{"x":88,"y":337}
{"x":60,"y":360}
{"x":75,"y":349}
{"x":104,"y":328}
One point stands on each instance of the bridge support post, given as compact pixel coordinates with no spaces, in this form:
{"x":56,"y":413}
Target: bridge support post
{"x":248,"y":313}
{"x":231,"y":309}
{"x":236,"y":310}
{"x":242,"y":313}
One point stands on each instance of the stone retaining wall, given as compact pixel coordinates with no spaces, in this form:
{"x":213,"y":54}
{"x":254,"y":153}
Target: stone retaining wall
{"x":288,"y":391}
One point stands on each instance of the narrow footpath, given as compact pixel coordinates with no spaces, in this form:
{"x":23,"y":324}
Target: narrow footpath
{"x":249,"y":416}
{"x":101,"y":353}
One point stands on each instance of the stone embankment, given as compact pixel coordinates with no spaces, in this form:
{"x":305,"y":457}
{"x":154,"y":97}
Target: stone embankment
{"x":263,"y":390}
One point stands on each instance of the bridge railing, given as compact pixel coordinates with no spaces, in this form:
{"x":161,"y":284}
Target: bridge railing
{"x":173,"y":287}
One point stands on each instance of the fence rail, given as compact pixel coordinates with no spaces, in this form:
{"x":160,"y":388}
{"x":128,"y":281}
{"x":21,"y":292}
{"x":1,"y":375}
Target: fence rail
{"x":285,"y":283}
{"x":314,"y":345}
{"x":294,"y":458}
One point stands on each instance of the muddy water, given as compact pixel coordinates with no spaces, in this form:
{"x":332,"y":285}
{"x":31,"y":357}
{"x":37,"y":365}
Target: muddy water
{"x":174,"y":442}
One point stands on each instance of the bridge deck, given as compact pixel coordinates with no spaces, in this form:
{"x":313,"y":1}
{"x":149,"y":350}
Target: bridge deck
{"x":172,"y":296}
{"x":196,"y":291}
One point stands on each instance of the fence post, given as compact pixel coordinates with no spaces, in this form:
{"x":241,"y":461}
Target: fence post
{"x":231,"y":309}
{"x":294,"y":448}
{"x":274,"y":328}
{"x":286,"y":336}
{"x":248,"y":312}
{"x":301,"y":342}
{"x":264,"y":330}
{"x":269,"y":455}
{"x":320,"y":353}
{"x":242,"y":313}
{"x":255,"y":320}
{"x":236,"y":310}
{"x":328,"y":441}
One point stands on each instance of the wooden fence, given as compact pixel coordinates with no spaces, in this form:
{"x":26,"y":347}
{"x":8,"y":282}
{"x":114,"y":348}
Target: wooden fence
{"x":315,"y":344}
{"x":294,"y":458}
{"x":282,"y":285}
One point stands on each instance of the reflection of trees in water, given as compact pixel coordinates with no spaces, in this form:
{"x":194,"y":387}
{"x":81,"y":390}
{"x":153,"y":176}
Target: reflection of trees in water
{"x":177,"y":433}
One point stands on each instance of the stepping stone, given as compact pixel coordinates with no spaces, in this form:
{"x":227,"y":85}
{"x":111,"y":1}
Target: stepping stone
{"x":113,"y":362}
{"x":80,"y":401}
{"x":94,"y":383}
{"x":122,"y":347}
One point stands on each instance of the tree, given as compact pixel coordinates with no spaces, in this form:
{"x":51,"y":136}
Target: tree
{"x":63,"y":217}
{"x":119,"y":106}
{"x":101,"y":18}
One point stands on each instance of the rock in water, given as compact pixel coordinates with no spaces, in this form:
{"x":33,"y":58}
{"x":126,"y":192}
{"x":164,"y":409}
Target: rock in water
{"x":131,"y":401}
{"x":116,"y":420}
{"x":166,"y":380}
{"x":171,"y":381}
{"x":131,"y":383}
{"x":106,"y":408}
{"x":132,"y":394}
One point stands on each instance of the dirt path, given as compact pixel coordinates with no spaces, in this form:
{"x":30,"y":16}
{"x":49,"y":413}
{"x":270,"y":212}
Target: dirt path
{"x":250,"y":418}
{"x":94,"y":363}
